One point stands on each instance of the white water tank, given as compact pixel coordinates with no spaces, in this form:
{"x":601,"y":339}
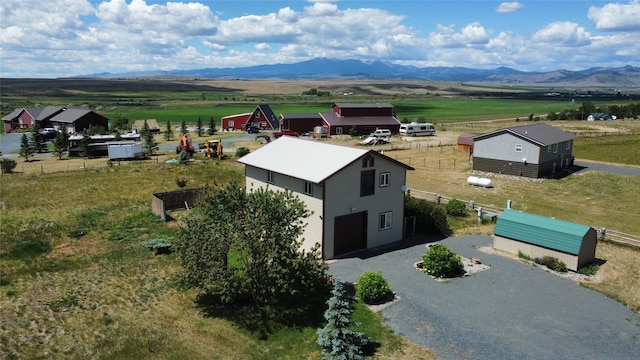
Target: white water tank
{"x":479,"y":181}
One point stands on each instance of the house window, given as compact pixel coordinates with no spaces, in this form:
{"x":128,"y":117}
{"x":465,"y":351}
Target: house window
{"x":308,"y":188}
{"x":230,"y":122}
{"x":384,"y":179}
{"x":339,"y":130}
{"x":569,"y":145}
{"x":555,"y":148}
{"x":385,"y":221}
{"x":367,"y":161}
{"x":367,"y":182}
{"x":270,"y":176}
{"x":263,"y":124}
{"x":257,"y":114}
{"x":549,"y":149}
{"x":518,"y":147}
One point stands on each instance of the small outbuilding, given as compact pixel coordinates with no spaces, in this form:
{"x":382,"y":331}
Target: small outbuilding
{"x":538,"y":236}
{"x":465,"y":143}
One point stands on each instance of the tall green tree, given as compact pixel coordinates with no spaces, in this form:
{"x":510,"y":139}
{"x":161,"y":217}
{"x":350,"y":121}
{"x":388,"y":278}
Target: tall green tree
{"x":25,"y":147}
{"x":243,"y":250}
{"x":85,"y":149}
{"x":212,"y":126}
{"x":149,"y":143}
{"x":168,"y":133}
{"x":120,"y":122}
{"x":37,"y":140}
{"x":61,"y":142}
{"x":183,"y":127}
{"x":199,"y":128}
{"x":337,"y":339}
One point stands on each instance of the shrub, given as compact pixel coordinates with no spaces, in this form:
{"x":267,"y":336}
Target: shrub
{"x":456,"y":207}
{"x":372,"y":288}
{"x":241,"y":151}
{"x":522,"y":255}
{"x":589,"y":269}
{"x":7,"y":165}
{"x":440,"y":261}
{"x":551,"y":263}
{"x":430,"y":216}
{"x":160,"y":246}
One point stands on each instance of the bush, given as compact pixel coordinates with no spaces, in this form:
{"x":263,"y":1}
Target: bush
{"x":7,"y":165}
{"x":456,"y":207}
{"x":440,"y":261}
{"x":241,"y":151}
{"x":372,"y":288}
{"x":589,"y":269}
{"x":430,"y":217}
{"x":160,"y":246}
{"x":551,"y":263}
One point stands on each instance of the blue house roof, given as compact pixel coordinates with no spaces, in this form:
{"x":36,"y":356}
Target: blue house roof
{"x":538,"y":230}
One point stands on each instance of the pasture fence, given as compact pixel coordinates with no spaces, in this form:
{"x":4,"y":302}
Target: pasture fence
{"x":603,"y":234}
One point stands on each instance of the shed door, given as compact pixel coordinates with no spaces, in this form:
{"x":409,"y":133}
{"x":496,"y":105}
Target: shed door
{"x":350,"y":233}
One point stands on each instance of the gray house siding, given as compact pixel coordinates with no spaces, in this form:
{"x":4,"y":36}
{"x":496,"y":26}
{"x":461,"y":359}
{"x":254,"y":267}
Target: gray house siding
{"x":506,"y":167}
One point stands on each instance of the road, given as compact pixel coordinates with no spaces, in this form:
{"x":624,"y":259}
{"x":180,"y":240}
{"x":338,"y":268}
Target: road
{"x":510,"y":311}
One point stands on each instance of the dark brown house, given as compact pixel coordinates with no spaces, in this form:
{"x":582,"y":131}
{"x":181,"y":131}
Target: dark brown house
{"x":301,"y":123}
{"x":77,"y":120}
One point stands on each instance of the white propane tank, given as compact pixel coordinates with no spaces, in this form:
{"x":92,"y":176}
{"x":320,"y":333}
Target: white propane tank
{"x":479,"y":181}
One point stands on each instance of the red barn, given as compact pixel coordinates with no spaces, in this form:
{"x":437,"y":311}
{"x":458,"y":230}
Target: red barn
{"x":235,"y":122}
{"x":364,"y":118}
{"x":262,"y":117}
{"x":301,"y":123}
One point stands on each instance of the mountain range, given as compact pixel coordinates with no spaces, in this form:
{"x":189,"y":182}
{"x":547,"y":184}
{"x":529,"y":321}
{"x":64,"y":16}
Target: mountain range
{"x":325,"y":68}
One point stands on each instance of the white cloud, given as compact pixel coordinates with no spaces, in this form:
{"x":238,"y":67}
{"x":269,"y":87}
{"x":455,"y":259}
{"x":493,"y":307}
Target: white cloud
{"x":616,"y":17}
{"x":563,"y":33}
{"x":509,"y":7}
{"x":446,"y":36}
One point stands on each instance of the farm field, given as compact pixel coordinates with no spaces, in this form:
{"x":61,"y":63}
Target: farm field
{"x":90,"y":289}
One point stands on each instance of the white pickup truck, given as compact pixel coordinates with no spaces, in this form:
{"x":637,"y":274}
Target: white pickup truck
{"x":381,"y":133}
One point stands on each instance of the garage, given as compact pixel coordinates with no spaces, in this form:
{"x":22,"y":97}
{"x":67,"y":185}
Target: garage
{"x":350,"y":233}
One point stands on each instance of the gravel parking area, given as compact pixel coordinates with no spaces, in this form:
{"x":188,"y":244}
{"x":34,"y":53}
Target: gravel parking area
{"x":510,"y":311}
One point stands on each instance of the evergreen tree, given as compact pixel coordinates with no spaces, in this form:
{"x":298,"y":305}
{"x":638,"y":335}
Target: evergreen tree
{"x":148,"y":138}
{"x":212,"y":126}
{"x":337,"y":339}
{"x":199,"y":128}
{"x":183,"y":127}
{"x":168,"y":133}
{"x":61,"y":142}
{"x":85,"y":151}
{"x":37,"y":141}
{"x":25,"y":147}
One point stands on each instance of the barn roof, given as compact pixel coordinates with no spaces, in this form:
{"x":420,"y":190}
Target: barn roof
{"x":307,"y":159}
{"x":151,"y":123}
{"x":465,"y":139}
{"x":542,"y":231}
{"x":363,"y":105}
{"x":70,"y":115}
{"x":334,"y":119}
{"x":539,"y":133}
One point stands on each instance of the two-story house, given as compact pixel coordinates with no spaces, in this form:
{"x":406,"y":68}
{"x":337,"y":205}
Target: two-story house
{"x":534,"y":151}
{"x":356,"y":195}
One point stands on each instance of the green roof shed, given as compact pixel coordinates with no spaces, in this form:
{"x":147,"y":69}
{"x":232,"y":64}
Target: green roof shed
{"x":538,"y":236}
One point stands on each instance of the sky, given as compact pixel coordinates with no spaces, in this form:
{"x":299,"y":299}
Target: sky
{"x":61,"y":38}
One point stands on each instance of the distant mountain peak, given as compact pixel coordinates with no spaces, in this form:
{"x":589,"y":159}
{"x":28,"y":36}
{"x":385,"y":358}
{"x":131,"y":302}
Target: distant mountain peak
{"x":331,"y":68}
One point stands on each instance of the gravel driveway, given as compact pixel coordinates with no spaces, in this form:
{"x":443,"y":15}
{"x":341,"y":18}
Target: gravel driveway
{"x":510,"y":311}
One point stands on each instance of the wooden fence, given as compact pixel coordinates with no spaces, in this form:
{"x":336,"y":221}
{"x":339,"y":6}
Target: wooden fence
{"x":606,"y":235}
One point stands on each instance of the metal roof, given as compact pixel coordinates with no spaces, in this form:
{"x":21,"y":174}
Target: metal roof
{"x":334,"y":119}
{"x":70,"y":115}
{"x":300,"y":116}
{"x":49,"y":111}
{"x":539,"y":133}
{"x":308,"y":160}
{"x":542,"y":231}
{"x":362,"y":105}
